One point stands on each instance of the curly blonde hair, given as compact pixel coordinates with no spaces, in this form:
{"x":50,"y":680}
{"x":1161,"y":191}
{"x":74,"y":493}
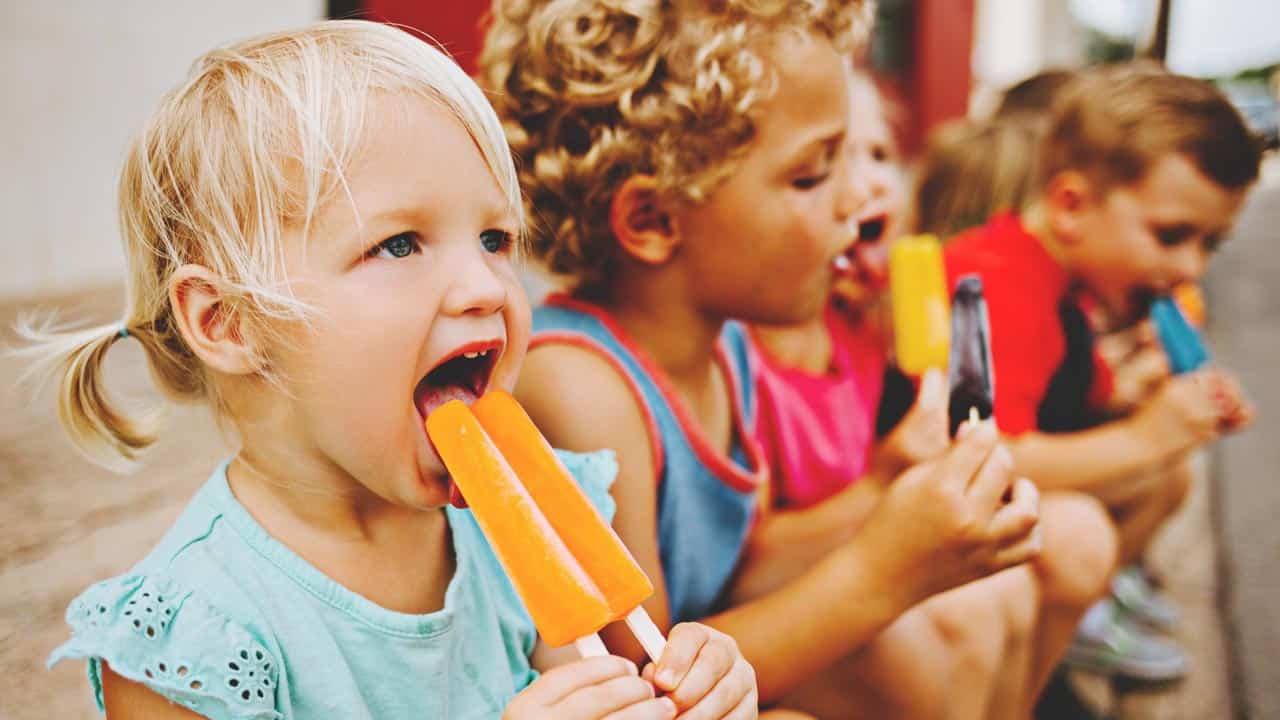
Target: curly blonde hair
{"x":255,"y":141}
{"x":592,"y":92}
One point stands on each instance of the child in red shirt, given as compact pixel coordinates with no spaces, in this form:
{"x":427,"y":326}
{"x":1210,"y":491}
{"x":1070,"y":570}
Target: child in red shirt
{"x":1141,"y":175}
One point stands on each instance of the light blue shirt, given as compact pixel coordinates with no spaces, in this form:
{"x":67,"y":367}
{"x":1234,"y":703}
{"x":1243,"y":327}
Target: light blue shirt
{"x":223,"y":619}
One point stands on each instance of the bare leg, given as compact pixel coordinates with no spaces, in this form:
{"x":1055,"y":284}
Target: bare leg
{"x":1074,"y":571}
{"x":1139,"y":522}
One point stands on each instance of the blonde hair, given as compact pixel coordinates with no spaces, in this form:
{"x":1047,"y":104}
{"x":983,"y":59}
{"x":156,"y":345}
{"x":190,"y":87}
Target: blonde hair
{"x":1113,"y":122}
{"x":255,"y":141}
{"x":592,"y":92}
{"x":970,"y":170}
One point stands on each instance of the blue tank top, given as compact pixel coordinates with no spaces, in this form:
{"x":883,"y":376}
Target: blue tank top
{"x":706,"y":501}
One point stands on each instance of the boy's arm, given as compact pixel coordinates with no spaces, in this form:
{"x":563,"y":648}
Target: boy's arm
{"x":1186,"y":412}
{"x":962,"y":531}
{"x":785,"y":543}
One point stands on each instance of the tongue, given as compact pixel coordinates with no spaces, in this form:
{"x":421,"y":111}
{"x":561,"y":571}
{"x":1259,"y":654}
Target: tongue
{"x":873,"y":261}
{"x":433,"y":396}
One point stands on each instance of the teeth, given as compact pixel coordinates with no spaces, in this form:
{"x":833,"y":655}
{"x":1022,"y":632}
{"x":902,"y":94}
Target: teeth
{"x":472,"y":355}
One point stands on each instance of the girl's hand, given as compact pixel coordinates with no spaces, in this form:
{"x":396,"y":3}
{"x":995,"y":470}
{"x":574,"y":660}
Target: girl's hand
{"x":703,"y":672}
{"x":921,"y":435}
{"x":591,"y":689}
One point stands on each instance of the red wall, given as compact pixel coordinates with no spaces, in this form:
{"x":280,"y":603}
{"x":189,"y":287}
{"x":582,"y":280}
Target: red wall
{"x":454,"y":23}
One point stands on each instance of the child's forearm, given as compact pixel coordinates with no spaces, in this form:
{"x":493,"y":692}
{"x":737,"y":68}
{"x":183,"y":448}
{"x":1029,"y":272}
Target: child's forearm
{"x":832,"y":609}
{"x":1090,"y":461}
{"x":786,"y":543}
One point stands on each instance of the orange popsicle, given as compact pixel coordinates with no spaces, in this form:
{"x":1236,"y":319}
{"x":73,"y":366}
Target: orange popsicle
{"x":563,"y":601}
{"x":591,"y":540}
{"x":1191,"y":302}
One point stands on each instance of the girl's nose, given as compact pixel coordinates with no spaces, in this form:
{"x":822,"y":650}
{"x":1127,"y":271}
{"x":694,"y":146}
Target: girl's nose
{"x":476,"y":288}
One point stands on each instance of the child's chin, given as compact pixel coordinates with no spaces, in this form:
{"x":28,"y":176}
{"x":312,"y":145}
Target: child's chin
{"x":853,"y":294}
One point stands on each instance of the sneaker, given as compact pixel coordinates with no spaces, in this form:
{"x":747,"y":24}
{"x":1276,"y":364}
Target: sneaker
{"x":1107,"y":644}
{"x":1140,"y":600}
{"x":1060,"y":701}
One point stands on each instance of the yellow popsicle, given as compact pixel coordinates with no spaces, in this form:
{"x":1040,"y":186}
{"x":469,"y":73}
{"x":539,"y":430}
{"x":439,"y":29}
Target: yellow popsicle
{"x":921,"y":309}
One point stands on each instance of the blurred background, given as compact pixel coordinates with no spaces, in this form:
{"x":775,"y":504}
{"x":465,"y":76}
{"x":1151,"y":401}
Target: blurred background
{"x":77,"y":78}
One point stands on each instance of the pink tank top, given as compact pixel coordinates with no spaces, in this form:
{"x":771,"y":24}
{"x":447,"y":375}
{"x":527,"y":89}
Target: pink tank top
{"x":816,"y":431}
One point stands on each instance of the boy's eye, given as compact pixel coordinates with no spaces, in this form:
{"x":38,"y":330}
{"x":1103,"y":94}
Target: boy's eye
{"x":396,"y":246}
{"x":495,"y":241}
{"x":1169,"y":237}
{"x":880,"y":153}
{"x":810,"y":182}
{"x":1212,"y":242}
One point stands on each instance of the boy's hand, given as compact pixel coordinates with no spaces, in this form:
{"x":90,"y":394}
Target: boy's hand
{"x":947,"y":522}
{"x":590,"y":689}
{"x":1138,"y":365}
{"x":703,"y":672}
{"x":922,"y":435}
{"x":1194,"y":409}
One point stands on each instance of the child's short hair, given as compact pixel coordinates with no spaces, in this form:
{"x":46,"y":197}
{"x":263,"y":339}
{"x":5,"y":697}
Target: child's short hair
{"x":1114,"y":122}
{"x":254,"y":142}
{"x":1035,"y":94}
{"x":970,"y":170}
{"x":593,"y":92}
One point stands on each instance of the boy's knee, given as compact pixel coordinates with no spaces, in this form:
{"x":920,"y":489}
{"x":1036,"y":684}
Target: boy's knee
{"x":1080,"y":549}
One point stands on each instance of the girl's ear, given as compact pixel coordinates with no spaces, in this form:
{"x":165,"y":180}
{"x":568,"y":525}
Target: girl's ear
{"x":641,"y":223}
{"x":207,"y":322}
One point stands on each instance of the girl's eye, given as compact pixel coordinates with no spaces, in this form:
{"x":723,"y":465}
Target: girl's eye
{"x":495,"y":241}
{"x":880,"y":153}
{"x":810,"y":182}
{"x":1212,"y":242}
{"x":396,"y":246}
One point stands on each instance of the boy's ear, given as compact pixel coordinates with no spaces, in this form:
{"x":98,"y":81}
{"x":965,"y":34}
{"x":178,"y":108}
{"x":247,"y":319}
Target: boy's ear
{"x":206,"y":321}
{"x":642,"y":224}
{"x":1068,"y":196}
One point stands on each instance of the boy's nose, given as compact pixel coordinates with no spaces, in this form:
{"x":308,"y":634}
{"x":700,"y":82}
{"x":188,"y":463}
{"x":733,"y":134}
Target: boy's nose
{"x":1190,"y":263}
{"x":475,"y":289}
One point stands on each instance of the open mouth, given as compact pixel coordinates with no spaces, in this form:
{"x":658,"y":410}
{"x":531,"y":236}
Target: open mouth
{"x":1140,"y":301}
{"x":463,"y":375}
{"x":871,"y":231}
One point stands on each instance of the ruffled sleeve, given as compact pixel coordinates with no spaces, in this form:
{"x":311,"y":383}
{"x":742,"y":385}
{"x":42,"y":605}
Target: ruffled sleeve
{"x":595,"y":472}
{"x":151,"y":630}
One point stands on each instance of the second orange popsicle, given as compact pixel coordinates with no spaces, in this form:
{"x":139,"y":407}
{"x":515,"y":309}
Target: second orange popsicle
{"x":589,"y":538}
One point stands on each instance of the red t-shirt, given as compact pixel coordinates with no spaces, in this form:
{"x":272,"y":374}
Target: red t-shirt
{"x":1024,"y":288}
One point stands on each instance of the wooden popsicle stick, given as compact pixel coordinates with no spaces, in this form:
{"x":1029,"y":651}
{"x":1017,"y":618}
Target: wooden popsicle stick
{"x":974,"y":418}
{"x":590,"y":646}
{"x":646,"y":632}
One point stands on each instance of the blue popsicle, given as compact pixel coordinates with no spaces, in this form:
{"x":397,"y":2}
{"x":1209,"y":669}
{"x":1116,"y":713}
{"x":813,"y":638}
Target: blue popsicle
{"x":1182,"y":343}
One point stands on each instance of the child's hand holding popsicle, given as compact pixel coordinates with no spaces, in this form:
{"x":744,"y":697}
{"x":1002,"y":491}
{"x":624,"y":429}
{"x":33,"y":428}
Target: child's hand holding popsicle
{"x":589,"y":689}
{"x":921,"y":434}
{"x":945,"y":522}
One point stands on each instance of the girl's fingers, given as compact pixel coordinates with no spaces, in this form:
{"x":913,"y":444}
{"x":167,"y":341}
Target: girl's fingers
{"x":565,"y":679}
{"x":726,"y":697}
{"x":607,"y":697}
{"x":1019,"y":552}
{"x":993,"y":480}
{"x":653,"y":709}
{"x":714,"y":662}
{"x":968,"y":454}
{"x":1016,"y":520}
{"x":684,"y":642}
